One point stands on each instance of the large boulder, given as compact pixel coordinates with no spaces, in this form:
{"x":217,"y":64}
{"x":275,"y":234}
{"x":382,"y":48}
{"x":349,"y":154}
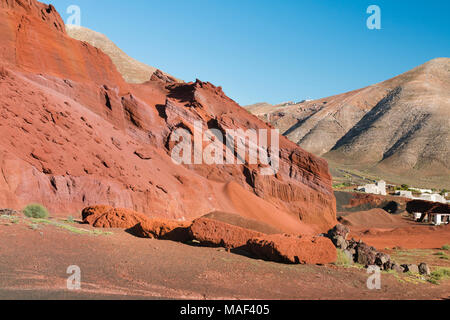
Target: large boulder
{"x":103,"y":216}
{"x":163,"y":229}
{"x":216,"y":233}
{"x":293,"y":249}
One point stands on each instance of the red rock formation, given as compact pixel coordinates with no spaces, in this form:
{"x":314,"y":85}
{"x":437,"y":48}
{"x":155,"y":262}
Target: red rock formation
{"x":74,"y":134}
{"x":109,"y":217}
{"x":293,"y":249}
{"x":163,"y":229}
{"x":220,"y":234}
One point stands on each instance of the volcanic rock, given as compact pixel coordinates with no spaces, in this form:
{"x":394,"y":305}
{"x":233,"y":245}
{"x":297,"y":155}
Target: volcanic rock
{"x":424,"y":269}
{"x":8,"y":212}
{"x":293,"y":249}
{"x":413,"y":268}
{"x":383,"y":260}
{"x":365,"y":255}
{"x":397,"y":268}
{"x":70,"y":128}
{"x":163,"y":229}
{"x":338,"y":235}
{"x":219,"y":234}
{"x":109,"y":217}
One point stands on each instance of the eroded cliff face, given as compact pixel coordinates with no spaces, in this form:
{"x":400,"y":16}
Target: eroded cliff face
{"x":74,"y":134}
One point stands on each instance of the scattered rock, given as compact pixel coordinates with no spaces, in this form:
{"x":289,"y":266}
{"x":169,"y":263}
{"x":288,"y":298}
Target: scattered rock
{"x":413,"y":268}
{"x":163,"y":229}
{"x":144,"y":154}
{"x":365,"y":255}
{"x":103,"y":216}
{"x":383,"y":260}
{"x":398,"y":268}
{"x":338,"y":235}
{"x":424,"y":269}
{"x":8,"y":212}
{"x":220,"y":234}
{"x":293,"y":249}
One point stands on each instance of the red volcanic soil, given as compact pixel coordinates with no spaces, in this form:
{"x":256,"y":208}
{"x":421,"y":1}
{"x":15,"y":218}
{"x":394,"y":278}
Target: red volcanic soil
{"x":412,"y":237}
{"x":121,"y":266}
{"x":73,"y":134}
{"x":375,"y":218}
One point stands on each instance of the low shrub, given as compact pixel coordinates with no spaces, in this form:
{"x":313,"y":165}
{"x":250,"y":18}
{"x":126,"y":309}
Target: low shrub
{"x":343,"y":260}
{"x":439,"y":274}
{"x":36,"y":211}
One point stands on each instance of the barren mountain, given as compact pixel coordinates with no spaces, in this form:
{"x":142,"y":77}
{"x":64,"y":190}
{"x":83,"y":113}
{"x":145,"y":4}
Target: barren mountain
{"x":398,"y":129}
{"x":133,"y":71}
{"x":74,"y":134}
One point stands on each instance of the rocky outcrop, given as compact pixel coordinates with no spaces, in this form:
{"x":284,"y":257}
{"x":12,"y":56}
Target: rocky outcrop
{"x":109,"y":217}
{"x":293,"y":249}
{"x":163,"y":229}
{"x":220,"y":234}
{"x":365,"y":255}
{"x":74,"y":134}
{"x":47,"y":13}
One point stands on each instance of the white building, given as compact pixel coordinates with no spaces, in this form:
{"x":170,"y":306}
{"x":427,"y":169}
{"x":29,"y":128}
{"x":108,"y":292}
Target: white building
{"x":434,"y":197}
{"x":404,"y":194}
{"x":377,"y":188}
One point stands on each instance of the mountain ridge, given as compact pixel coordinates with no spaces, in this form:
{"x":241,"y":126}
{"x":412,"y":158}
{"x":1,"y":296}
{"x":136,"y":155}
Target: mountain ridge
{"x":398,"y":128}
{"x":132,"y":70}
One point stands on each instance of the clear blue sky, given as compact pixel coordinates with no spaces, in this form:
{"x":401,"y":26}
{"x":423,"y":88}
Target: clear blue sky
{"x":277,"y":50}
